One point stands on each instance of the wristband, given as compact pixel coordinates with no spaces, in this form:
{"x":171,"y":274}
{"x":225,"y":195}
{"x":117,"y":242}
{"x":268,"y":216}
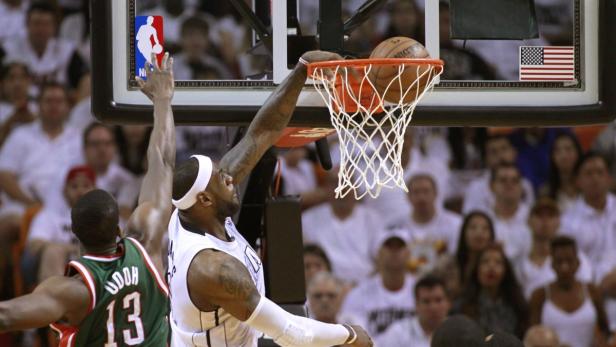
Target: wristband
{"x":352,"y":337}
{"x":303,"y":61}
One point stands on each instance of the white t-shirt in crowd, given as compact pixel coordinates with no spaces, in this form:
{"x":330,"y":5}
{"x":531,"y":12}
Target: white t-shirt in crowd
{"x":514,"y":232}
{"x":404,"y":333}
{"x":39,"y":162}
{"x":592,"y":229}
{"x":118,"y":182}
{"x":51,"y":66}
{"x":299,"y":179}
{"x":13,"y":20}
{"x":348,"y":243}
{"x":53,"y":224}
{"x":81,"y":116}
{"x":479,"y":196}
{"x":532,"y":276}
{"x":445,"y":226}
{"x":375,"y":308}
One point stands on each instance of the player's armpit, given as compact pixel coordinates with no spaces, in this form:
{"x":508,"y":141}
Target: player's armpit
{"x":54,"y":299}
{"x":216,"y":279}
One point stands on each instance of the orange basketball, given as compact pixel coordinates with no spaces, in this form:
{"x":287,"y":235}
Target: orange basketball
{"x":382,"y":75}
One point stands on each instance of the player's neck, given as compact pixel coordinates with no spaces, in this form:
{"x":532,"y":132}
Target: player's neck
{"x":205,"y":224}
{"x":103,"y":250}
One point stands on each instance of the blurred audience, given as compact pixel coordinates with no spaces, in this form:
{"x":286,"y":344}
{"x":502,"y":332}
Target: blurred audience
{"x":605,"y":145}
{"x":479,"y":195}
{"x":561,"y":187}
{"x":541,"y":336}
{"x":48,"y":57}
{"x":476,"y":234}
{"x":534,"y":269}
{"x":132,"y":144}
{"x":509,"y":213}
{"x":12,"y":17}
{"x":572,"y":308}
{"x":50,"y":238}
{"x":433,"y":230}
{"x":315,"y":261}
{"x":389,"y":292}
{"x":493,"y":296}
{"x":17,"y":108}
{"x":589,"y":220}
{"x":100,"y":151}
{"x":325,"y":293}
{"x":299,"y":177}
{"x":346,"y":231}
{"x":431,"y":308}
{"x":34,"y":158}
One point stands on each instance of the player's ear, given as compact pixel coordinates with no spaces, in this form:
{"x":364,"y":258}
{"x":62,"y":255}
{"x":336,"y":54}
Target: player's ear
{"x":204,"y":198}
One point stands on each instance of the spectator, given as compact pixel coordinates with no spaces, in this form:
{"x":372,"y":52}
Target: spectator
{"x":533,"y":148}
{"x":566,"y":151}
{"x":346,"y":231}
{"x":33,"y":157}
{"x":432,"y":229}
{"x":132,"y":145}
{"x":588,"y":221}
{"x":534,"y":269}
{"x":541,"y":336}
{"x":325,"y":294}
{"x":12,"y":17}
{"x":432,"y":307}
{"x":16,"y":109}
{"x":50,"y":238}
{"x":479,"y":195}
{"x":47,"y":57}
{"x":315,"y":261}
{"x":509,"y":213}
{"x":458,"y":330}
{"x":196,"y":50}
{"x":493,"y":296}
{"x":606,"y":146}
{"x":381,"y":300}
{"x":476,"y":234}
{"x":100,"y":154}
{"x":572,"y":308}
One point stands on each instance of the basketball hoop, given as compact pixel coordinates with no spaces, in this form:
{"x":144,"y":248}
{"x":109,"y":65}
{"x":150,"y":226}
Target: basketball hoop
{"x":371,"y":118}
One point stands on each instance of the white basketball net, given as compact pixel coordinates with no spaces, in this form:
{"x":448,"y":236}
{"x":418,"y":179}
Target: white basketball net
{"x":370,"y":146}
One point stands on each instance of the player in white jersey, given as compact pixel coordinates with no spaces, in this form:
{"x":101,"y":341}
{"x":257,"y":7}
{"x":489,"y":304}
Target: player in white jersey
{"x":215,"y":277}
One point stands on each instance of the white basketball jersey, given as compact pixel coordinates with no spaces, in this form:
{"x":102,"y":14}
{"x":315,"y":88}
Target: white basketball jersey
{"x":190,"y":326}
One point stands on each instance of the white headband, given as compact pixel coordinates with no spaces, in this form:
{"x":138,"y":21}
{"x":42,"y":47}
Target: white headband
{"x":203,"y":178}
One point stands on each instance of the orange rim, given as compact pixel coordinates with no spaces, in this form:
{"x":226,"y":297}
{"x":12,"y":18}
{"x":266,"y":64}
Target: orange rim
{"x":359,"y":63}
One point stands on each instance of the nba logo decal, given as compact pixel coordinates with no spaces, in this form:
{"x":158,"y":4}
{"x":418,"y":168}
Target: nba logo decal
{"x":148,"y":40}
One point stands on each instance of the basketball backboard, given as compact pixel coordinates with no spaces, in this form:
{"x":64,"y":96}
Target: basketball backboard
{"x":483,"y":82}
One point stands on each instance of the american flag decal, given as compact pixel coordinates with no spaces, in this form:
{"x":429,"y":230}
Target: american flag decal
{"x":542,"y":63}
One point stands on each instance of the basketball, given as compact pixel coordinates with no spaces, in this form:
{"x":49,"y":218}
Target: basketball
{"x":382,"y":75}
{"x":157,"y":49}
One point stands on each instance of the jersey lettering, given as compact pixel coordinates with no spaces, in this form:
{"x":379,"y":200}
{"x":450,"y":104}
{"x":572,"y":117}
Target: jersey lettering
{"x":124,"y":278}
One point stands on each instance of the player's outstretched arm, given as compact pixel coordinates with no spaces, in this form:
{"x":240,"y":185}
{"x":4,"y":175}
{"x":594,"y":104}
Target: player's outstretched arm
{"x":149,"y":221}
{"x":216,"y":279}
{"x":54,"y":299}
{"x":270,"y":121}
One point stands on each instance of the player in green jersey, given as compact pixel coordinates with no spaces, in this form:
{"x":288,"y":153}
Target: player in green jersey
{"x":114,"y":295}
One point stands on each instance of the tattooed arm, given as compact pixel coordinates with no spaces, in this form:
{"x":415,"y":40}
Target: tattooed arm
{"x":270,"y":121}
{"x":217,"y":279}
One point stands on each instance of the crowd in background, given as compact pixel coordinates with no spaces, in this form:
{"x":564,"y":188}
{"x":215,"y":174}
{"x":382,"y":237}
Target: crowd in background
{"x":514,"y":228}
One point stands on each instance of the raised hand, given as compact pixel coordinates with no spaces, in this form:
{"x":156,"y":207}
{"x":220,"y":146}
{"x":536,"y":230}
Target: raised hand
{"x":315,"y":56}
{"x":159,"y":84}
